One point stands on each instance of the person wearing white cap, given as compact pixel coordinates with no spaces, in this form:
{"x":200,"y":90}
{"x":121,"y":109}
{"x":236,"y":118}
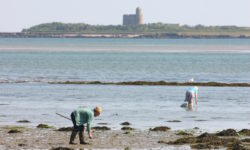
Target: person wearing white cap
{"x":191,"y":93}
{"x":79,"y":117}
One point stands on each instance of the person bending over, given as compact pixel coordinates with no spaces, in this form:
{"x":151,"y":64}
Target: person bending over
{"x":191,"y":93}
{"x":80,"y":117}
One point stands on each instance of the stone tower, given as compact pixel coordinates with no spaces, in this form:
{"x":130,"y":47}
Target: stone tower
{"x":139,"y":17}
{"x":133,"y":19}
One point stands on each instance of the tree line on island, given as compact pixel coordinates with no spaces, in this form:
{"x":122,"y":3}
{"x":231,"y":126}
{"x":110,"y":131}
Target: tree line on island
{"x":82,"y":28}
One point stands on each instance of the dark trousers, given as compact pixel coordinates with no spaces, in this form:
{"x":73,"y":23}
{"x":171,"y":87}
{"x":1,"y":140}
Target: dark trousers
{"x":76,"y":129}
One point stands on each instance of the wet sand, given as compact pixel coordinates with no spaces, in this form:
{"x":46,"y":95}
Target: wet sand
{"x":49,"y":138}
{"x":34,"y":138}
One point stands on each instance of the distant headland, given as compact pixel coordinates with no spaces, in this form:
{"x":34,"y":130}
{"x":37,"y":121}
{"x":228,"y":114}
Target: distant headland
{"x":132,"y":27}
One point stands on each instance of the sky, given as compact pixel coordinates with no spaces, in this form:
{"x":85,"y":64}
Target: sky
{"x":16,"y":15}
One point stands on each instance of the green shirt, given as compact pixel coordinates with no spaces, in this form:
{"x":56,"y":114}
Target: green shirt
{"x":84,"y":115}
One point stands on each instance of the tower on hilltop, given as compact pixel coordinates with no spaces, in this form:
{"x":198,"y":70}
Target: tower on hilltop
{"x":133,"y":19}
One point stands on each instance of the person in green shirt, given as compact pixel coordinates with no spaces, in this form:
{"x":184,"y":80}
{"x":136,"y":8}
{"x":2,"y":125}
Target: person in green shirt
{"x":80,"y":117}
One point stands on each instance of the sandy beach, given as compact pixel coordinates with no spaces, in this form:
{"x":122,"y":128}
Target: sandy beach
{"x":51,"y":138}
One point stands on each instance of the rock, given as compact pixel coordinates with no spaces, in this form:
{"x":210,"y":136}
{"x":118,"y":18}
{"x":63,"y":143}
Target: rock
{"x":228,"y":132}
{"x":127,"y":128}
{"x":184,"y":105}
{"x":43,"y":126}
{"x":62,"y":148}
{"x":23,"y":121}
{"x":101,"y":128}
{"x":14,"y":131}
{"x":196,"y":128}
{"x":245,"y":132}
{"x":21,"y":144}
{"x":160,"y":128}
{"x":173,"y":121}
{"x":65,"y":129}
{"x":125,"y":123}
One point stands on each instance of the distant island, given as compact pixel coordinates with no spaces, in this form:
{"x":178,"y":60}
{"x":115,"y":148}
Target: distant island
{"x":152,"y":30}
{"x":132,"y":27}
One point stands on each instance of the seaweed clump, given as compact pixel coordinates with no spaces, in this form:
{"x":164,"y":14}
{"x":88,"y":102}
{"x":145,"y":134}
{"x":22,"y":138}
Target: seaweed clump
{"x":102,"y":128}
{"x":245,"y":132}
{"x":160,"y":128}
{"x":201,"y":146}
{"x":125,"y":123}
{"x":228,"y":132}
{"x":127,"y":128}
{"x":23,"y":121}
{"x":246,"y":140}
{"x":173,"y":121}
{"x":209,"y":141}
{"x":66,"y":129}
{"x":44,"y":126}
{"x":183,"y":133}
{"x":14,"y":131}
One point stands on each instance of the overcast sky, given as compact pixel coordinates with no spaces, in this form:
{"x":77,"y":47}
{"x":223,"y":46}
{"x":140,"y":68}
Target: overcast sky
{"x":18,"y":14}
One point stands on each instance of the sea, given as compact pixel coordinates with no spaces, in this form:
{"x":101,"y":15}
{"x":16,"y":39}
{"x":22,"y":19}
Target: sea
{"x":30,"y":69}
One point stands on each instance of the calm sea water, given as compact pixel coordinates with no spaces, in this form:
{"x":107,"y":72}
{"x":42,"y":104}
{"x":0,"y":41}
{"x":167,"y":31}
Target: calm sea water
{"x":27,"y":65}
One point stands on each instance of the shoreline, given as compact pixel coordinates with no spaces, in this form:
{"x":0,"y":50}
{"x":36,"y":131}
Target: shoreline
{"x":157,"y":138}
{"x":138,"y":83}
{"x":123,"y":35}
{"x":157,"y":83}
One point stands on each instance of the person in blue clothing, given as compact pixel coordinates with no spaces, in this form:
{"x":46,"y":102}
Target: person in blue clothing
{"x":191,"y":93}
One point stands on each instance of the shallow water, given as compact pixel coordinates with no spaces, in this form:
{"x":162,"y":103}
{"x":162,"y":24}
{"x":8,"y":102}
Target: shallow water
{"x":143,"y":106}
{"x":27,"y":65}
